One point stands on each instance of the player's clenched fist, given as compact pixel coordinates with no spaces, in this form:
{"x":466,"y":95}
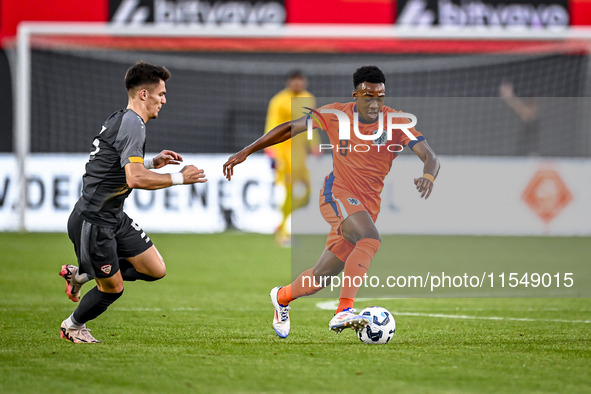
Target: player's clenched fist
{"x":192,"y":174}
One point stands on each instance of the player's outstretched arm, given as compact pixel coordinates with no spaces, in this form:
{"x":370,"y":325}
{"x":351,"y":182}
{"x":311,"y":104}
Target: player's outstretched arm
{"x":431,"y":166}
{"x":281,"y":133}
{"x":138,"y":177}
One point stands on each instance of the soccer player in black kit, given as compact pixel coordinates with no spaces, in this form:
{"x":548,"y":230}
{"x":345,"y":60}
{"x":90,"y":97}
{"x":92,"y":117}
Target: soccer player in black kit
{"x":110,"y":247}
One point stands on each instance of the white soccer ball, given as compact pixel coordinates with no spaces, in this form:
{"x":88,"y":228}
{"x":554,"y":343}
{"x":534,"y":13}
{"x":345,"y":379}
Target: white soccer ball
{"x":381,"y":327}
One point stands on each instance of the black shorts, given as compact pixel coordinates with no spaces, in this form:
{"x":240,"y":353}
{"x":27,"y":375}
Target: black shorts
{"x":99,"y":248}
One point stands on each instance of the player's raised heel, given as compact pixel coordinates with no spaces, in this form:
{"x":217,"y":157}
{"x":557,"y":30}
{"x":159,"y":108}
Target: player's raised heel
{"x":69,"y":272}
{"x":281,"y":323}
{"x":347,"y":319}
{"x":77,"y":335}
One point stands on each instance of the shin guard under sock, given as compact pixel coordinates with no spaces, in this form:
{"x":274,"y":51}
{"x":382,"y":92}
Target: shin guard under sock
{"x":356,"y":267}
{"x":93,"y":304}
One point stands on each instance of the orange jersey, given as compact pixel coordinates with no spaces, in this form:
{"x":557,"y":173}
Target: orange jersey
{"x":360,"y":166}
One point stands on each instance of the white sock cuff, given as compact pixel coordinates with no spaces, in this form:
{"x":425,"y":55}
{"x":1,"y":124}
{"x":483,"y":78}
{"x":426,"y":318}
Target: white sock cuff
{"x":82,"y":278}
{"x":72,"y":323}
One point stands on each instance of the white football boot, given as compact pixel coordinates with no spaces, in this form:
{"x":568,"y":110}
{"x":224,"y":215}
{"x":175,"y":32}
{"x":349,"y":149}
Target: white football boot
{"x":347,"y":319}
{"x":69,"y":272}
{"x":281,"y":316}
{"x":77,"y":335}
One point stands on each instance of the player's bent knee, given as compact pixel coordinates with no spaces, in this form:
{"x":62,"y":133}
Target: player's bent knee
{"x":357,"y":234}
{"x":369,"y":245}
{"x":160,"y":276}
{"x":375,"y":236}
{"x":110,"y":286}
{"x":359,"y":226}
{"x":159,"y":272}
{"x":154,"y":275}
{"x":377,"y":241}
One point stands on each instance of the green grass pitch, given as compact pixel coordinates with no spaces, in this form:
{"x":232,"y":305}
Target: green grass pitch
{"x":206,"y":327}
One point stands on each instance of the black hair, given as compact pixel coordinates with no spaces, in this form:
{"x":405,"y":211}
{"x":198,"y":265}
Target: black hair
{"x":145,"y":74}
{"x":295,"y":74}
{"x":371,"y":74}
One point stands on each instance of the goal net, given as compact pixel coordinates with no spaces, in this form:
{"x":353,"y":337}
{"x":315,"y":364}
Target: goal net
{"x":469,"y":89}
{"x":223,"y":80}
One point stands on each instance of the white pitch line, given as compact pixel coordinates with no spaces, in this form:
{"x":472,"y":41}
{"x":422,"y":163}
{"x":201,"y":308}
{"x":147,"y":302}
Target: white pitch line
{"x":332,"y":305}
{"x":156,"y":309}
{"x":328,"y":305}
{"x":119,"y":309}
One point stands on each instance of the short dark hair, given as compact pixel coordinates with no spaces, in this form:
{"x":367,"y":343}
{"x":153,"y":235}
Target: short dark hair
{"x":295,"y":74}
{"x":145,"y":74}
{"x":371,"y":74}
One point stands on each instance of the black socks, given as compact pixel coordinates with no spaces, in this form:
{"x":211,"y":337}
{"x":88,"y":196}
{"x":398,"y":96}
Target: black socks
{"x":93,"y":304}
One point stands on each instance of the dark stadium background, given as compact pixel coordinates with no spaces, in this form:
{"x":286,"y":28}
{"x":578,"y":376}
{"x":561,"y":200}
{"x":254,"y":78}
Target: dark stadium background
{"x":236,"y":116}
{"x":217,"y":101}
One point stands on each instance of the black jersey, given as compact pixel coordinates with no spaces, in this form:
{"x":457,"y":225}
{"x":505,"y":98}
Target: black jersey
{"x":121,"y":140}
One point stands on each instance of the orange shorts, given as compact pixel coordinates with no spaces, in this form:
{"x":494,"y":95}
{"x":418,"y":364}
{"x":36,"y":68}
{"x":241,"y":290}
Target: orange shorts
{"x":336,"y":205}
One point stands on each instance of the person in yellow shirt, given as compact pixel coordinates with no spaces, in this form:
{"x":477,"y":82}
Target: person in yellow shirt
{"x":290,"y":156}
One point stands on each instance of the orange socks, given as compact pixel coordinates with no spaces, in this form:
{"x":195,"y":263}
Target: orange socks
{"x":304,"y":285}
{"x":284,"y":295}
{"x":345,"y":303}
{"x":356,"y":267}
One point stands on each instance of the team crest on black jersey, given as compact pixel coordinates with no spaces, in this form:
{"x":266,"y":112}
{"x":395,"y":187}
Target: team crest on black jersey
{"x":381,"y":140}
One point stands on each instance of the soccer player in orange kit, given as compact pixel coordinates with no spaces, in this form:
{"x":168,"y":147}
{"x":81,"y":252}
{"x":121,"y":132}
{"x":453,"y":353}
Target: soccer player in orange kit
{"x":350,"y":197}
